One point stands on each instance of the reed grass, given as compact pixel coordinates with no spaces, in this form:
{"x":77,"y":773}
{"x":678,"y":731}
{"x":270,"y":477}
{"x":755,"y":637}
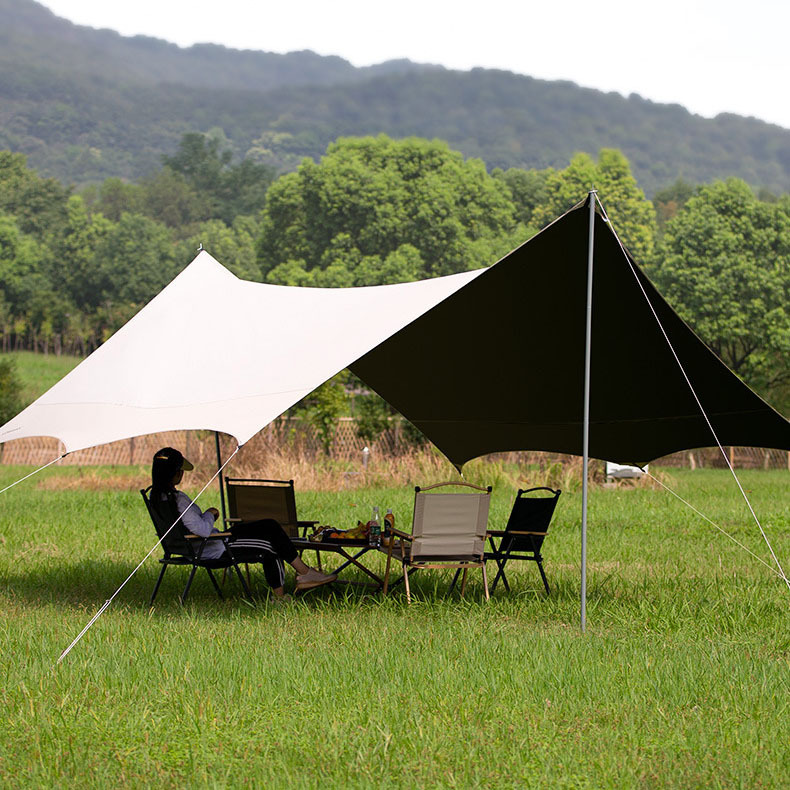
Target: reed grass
{"x":332,"y":474}
{"x":680,"y":681}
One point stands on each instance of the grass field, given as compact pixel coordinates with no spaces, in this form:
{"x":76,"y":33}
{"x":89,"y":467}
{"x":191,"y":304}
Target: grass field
{"x":681,"y":679}
{"x":38,"y":372}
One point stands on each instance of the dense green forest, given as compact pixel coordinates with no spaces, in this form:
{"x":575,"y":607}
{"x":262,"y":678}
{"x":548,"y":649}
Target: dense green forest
{"x":85,"y":105}
{"x":120,"y":156}
{"x":76,"y":265}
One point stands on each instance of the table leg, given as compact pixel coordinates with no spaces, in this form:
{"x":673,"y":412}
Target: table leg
{"x":355,"y":561}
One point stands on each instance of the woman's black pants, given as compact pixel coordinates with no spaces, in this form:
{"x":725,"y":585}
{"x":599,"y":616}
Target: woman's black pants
{"x":263,"y":541}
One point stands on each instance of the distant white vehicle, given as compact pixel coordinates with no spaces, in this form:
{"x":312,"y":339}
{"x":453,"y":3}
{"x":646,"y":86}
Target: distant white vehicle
{"x":614,"y":471}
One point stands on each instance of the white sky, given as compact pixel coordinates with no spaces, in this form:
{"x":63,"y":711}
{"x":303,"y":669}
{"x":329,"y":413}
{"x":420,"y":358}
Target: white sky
{"x":710,"y":56}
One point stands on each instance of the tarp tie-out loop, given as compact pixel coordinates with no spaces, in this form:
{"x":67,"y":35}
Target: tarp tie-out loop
{"x":140,"y":564}
{"x":696,"y":398}
{"x":35,"y":471}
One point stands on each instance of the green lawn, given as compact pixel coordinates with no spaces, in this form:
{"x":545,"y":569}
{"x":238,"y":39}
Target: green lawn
{"x":681,"y":679}
{"x":38,"y":372}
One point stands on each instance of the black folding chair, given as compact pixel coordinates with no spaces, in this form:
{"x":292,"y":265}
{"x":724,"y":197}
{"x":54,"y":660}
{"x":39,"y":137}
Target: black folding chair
{"x":252,"y":499}
{"x":181,"y":547}
{"x":524,"y":534}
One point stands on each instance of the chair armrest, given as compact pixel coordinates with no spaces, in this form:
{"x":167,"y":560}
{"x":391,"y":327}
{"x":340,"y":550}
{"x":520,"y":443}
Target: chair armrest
{"x":209,"y":537}
{"x":301,"y":523}
{"x":233,"y":520}
{"x":404,"y":536}
{"x":500,"y":533}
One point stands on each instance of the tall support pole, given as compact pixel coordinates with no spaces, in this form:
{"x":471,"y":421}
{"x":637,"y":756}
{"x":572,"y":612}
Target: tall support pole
{"x":221,"y":483}
{"x":586,"y":437}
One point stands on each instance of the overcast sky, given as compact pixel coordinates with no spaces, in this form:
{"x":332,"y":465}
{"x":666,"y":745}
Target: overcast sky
{"x":711,"y":57}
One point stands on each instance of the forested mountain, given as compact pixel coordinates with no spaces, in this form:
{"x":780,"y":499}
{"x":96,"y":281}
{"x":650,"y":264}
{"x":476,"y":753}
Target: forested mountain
{"x":28,"y":30}
{"x":85,"y":104}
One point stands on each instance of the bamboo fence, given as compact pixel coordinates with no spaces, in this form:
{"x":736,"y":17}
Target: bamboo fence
{"x":291,"y":435}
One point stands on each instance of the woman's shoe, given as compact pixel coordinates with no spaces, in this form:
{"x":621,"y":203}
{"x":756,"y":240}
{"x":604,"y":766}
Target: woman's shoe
{"x":313,"y":578}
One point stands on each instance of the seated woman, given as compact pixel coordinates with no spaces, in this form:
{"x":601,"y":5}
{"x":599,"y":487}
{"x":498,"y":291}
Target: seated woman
{"x":263,"y":540}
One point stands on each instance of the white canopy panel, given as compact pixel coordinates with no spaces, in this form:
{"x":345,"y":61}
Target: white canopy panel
{"x":215,"y":352}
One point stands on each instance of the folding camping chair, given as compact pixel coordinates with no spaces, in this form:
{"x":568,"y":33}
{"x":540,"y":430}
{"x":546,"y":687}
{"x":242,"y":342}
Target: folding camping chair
{"x":251,"y":499}
{"x":181,"y":547}
{"x":524,"y":533}
{"x":448,"y":531}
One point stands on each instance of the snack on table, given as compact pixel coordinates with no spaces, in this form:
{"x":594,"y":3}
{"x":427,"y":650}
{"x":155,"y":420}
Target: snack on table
{"x":360,"y":532}
{"x":319,"y":534}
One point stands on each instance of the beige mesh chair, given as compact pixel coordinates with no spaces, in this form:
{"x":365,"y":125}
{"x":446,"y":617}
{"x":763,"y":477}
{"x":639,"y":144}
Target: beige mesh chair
{"x":448,"y":531}
{"x":250,"y":500}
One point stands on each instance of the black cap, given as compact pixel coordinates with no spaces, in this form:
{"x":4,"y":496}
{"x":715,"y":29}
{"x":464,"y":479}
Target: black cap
{"x":171,"y":460}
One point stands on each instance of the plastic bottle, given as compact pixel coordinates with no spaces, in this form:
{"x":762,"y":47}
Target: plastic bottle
{"x":374,"y":536}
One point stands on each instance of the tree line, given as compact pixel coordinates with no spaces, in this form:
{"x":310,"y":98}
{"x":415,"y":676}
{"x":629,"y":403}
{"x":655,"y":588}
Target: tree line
{"x":76,"y":265}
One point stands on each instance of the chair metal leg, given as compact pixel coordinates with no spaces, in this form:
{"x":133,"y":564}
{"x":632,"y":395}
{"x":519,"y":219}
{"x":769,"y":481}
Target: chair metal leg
{"x":406,"y":581}
{"x":500,"y":563}
{"x":485,"y":580}
{"x":500,"y":575}
{"x":244,"y":585}
{"x":455,"y":579}
{"x":158,"y":582}
{"x":543,"y":576}
{"x":463,"y":582}
{"x":504,"y":562}
{"x":189,"y":584}
{"x":214,"y":582}
{"x":497,"y":576}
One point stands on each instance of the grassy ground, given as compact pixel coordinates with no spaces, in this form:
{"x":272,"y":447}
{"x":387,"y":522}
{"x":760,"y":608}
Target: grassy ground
{"x":38,"y":372}
{"x":681,"y":680}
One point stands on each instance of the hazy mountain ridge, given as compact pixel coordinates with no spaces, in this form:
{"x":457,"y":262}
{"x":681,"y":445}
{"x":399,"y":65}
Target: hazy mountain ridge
{"x":84,"y":104}
{"x":26,"y":26}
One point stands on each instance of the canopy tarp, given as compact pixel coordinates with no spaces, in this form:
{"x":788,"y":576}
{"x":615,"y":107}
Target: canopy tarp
{"x":481,"y":361}
{"x":215,"y":352}
{"x":499,"y":365}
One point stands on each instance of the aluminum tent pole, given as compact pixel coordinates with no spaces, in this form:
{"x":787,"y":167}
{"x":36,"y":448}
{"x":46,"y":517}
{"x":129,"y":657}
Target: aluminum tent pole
{"x":221,"y":484}
{"x":586,"y":437}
